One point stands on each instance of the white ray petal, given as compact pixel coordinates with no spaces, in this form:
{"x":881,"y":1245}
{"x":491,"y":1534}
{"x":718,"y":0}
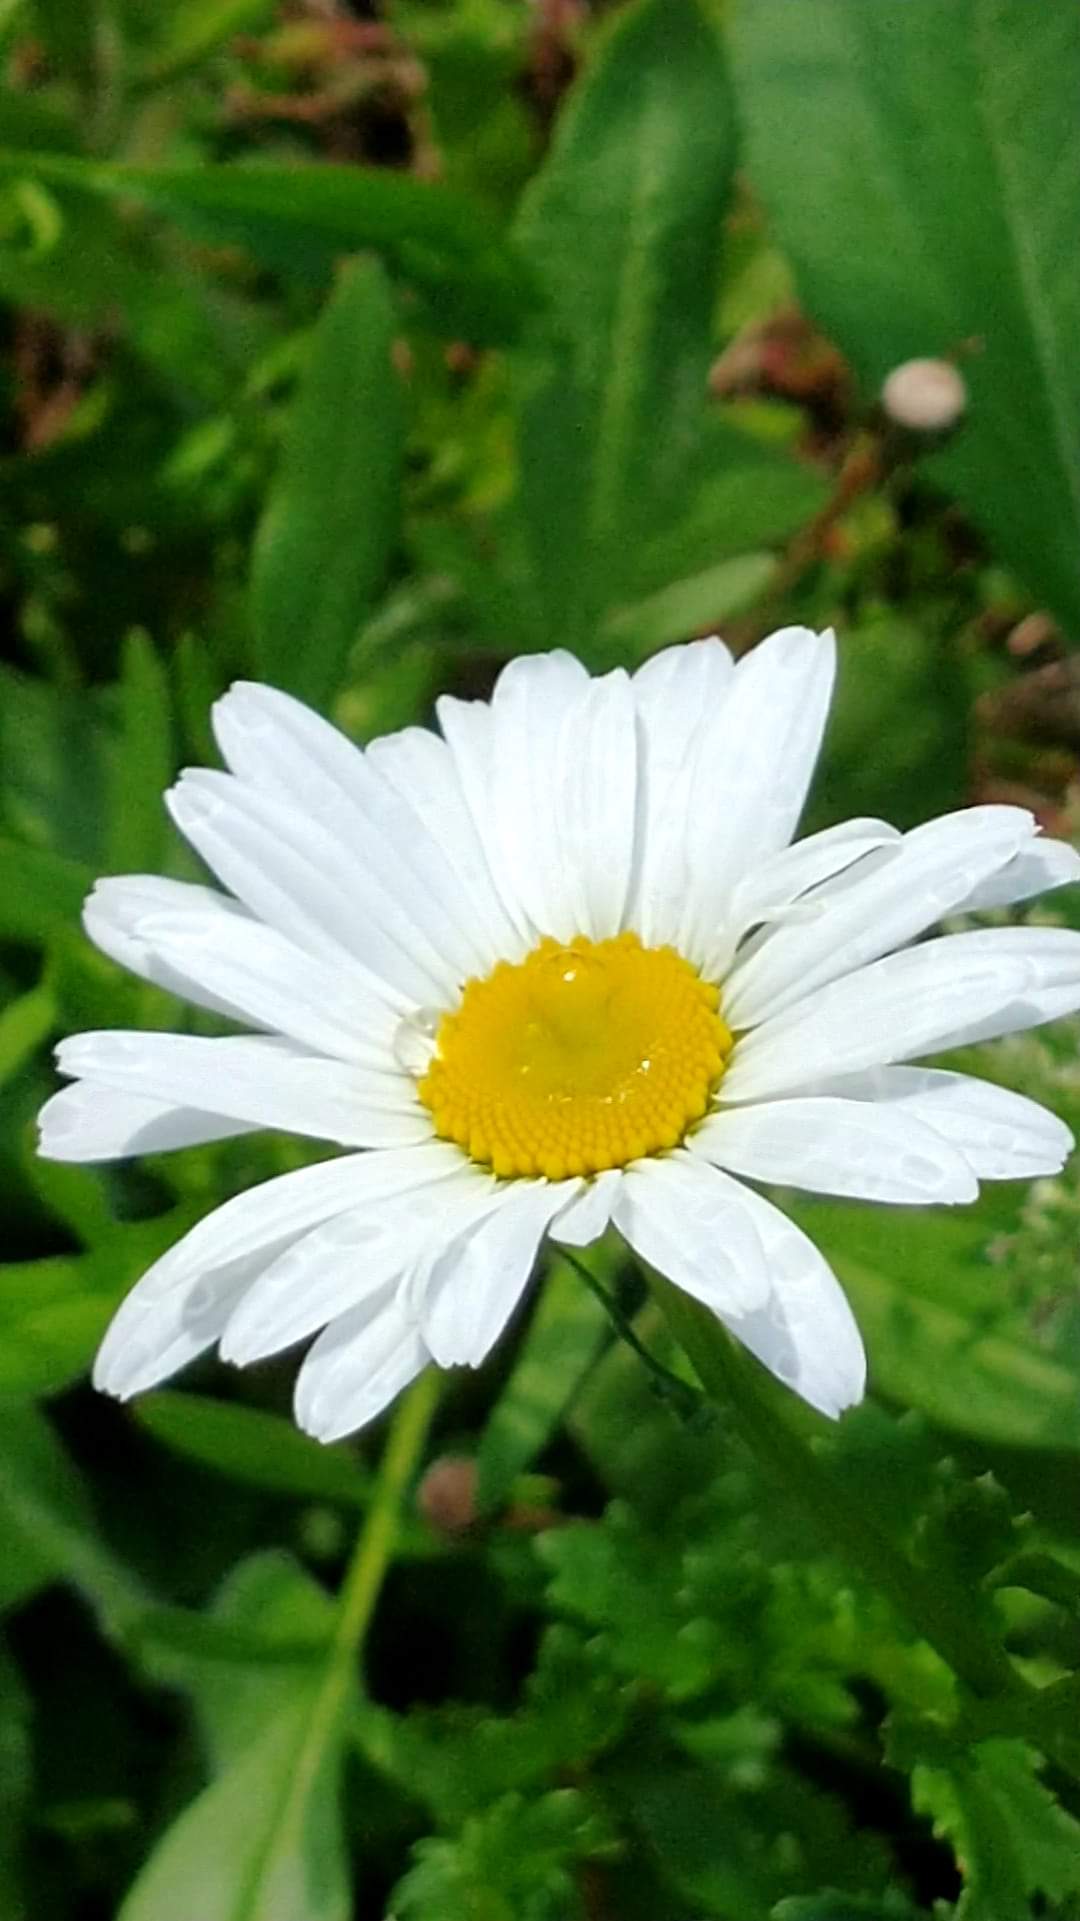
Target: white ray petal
{"x":422,"y":768}
{"x":85,"y":1122}
{"x":330,"y":1007}
{"x":781,"y":881}
{"x":357,"y":1366}
{"x":589,"y":1214}
{"x":280,"y":1209}
{"x":344,"y":1260}
{"x":681,"y":1217}
{"x":594,"y":793}
{"x":152,"y":1336}
{"x":805,"y":1333}
{"x":677,"y":695}
{"x":529,"y":708}
{"x":832,"y":1146}
{"x":284,"y":749}
{"x":116,"y":906}
{"x":945,"y":993}
{"x":1046,"y":864}
{"x":292,"y":873}
{"x":934,"y":867}
{"x":471,"y":1289}
{"x":256,"y":1079}
{"x":753,"y":768}
{"x":1003,"y":1136}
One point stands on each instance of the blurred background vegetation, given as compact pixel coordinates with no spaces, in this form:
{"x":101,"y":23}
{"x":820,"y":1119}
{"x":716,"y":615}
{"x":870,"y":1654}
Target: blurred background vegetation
{"x":359,"y":347}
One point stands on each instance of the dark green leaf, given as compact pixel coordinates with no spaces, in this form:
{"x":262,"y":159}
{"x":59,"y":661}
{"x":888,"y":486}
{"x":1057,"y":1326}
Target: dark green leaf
{"x":919,"y":163}
{"x":325,"y":541}
{"x":249,"y":1445}
{"x":143,"y":765}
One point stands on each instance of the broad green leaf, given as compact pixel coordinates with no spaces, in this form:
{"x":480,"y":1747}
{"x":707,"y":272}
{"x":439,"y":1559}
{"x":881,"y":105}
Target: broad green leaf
{"x":53,"y":1312}
{"x":300,"y":220}
{"x":689,"y":607}
{"x":919,"y":163}
{"x":55,"y":747}
{"x":326,"y":538}
{"x":263,"y":1450}
{"x":622,"y":226}
{"x":24,"y":1024}
{"x":564,"y":1337}
{"x":846,"y":1907}
{"x":941,"y":1334}
{"x":264,"y":1841}
{"x":142,"y":766}
{"x":46,"y":1519}
{"x":39,"y":891}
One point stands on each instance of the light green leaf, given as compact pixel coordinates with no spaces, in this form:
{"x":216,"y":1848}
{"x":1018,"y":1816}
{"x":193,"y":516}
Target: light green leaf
{"x":920,"y":166}
{"x":689,"y":607}
{"x":325,"y":542}
{"x":24,"y":1024}
{"x":197,"y":28}
{"x":249,"y":1445}
{"x":143,"y":764}
{"x":622,"y":225}
{"x":300,"y":220}
{"x":515,"y":1862}
{"x":264,"y":1841}
{"x":940,"y":1334}
{"x":564,"y":1337}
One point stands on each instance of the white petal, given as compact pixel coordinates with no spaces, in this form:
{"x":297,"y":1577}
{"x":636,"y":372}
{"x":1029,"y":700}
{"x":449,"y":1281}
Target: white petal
{"x":151,"y":1335}
{"x":1003,"y":1136}
{"x":332,"y":1007}
{"x":753,"y":768}
{"x":595,"y":791}
{"x":259,"y":1080}
{"x":773,"y":888}
{"x":1045,"y":864}
{"x":469,"y":733}
{"x":960,"y":988}
{"x":933,"y":868}
{"x":529,"y":708}
{"x":115,"y":906}
{"x":677,"y":694}
{"x":345,"y":1259}
{"x":472,"y":1288}
{"x":288,"y":752}
{"x":357,"y":1366}
{"x":586,"y":1217}
{"x":90,"y":1123}
{"x":266,"y":1217}
{"x":421,"y":768}
{"x":683,"y":1219}
{"x":296,"y":876}
{"x":832,"y":1146}
{"x":805,"y":1333}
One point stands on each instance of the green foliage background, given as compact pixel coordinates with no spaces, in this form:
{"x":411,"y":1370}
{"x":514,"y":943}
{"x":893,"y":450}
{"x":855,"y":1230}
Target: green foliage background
{"x":359,"y":349}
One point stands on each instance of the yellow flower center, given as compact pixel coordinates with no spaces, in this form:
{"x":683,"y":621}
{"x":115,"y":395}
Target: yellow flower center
{"x":579,"y":1058}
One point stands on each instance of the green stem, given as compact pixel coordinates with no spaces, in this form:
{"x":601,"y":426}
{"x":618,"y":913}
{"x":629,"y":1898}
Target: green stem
{"x":679,"y":1394}
{"x":931,"y":1602}
{"x":366,"y":1571}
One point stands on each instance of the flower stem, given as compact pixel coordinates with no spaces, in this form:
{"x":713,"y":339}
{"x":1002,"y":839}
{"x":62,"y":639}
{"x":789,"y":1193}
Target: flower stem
{"x":375,"y":1547}
{"x":932,"y":1603}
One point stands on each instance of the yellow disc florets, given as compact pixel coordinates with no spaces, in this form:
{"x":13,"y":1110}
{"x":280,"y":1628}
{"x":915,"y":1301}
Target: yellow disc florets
{"x":579,"y":1058}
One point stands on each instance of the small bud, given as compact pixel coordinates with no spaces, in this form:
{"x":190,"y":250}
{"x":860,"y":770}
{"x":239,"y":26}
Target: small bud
{"x":925,"y":396}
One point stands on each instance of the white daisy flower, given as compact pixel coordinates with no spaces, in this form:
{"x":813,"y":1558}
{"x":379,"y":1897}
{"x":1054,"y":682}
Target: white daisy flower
{"x":556,"y":968}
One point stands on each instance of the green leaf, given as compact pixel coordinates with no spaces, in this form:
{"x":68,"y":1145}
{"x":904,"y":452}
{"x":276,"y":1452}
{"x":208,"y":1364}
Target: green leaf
{"x":919,"y":164}
{"x":515,"y":1862}
{"x":24,"y":1024}
{"x":689,"y":607}
{"x":942,"y":1334}
{"x":845,"y":1907}
{"x":249,"y":1445}
{"x":300,"y":220}
{"x":325,"y":542}
{"x":46,"y":1520}
{"x":264,"y":1840}
{"x":565,"y":1335}
{"x":1011,"y":1836}
{"x":622,"y":226}
{"x":143,"y":766}
{"x":197,"y":28}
